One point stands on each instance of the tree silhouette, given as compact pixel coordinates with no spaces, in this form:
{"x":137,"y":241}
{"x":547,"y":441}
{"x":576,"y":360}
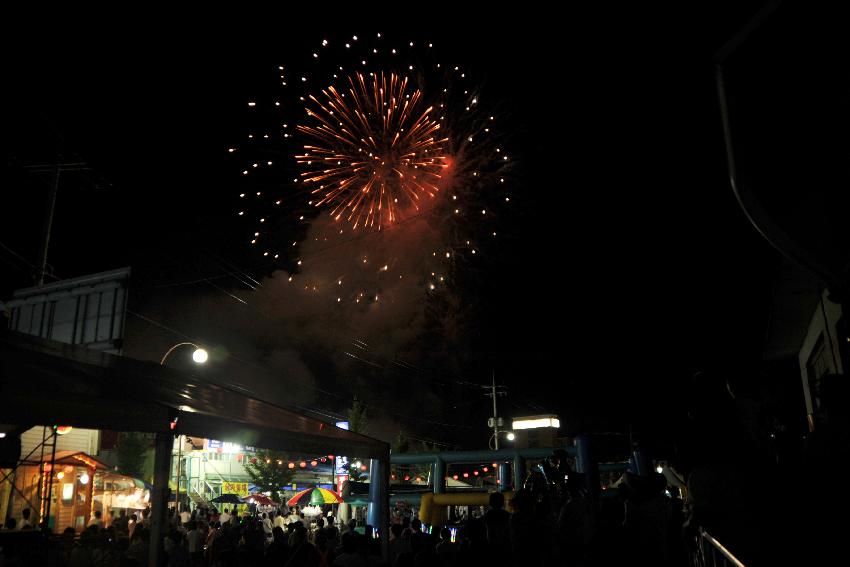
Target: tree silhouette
{"x":268,"y":470}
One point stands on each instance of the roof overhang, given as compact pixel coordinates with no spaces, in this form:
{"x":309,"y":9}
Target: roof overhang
{"x":45,"y":382}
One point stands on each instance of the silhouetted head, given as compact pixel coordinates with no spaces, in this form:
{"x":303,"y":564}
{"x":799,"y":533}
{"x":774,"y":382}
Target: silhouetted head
{"x":497,"y":500}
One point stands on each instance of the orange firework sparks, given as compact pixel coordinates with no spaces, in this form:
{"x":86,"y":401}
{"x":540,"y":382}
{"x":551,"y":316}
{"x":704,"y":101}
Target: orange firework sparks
{"x":377,"y":152}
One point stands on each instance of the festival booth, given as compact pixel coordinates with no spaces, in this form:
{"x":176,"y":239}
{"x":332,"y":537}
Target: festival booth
{"x":72,"y":474}
{"x":114,"y":492}
{"x":84,"y":388}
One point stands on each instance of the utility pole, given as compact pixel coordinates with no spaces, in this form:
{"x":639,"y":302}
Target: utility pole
{"x":56,"y":169}
{"x":495,"y":422}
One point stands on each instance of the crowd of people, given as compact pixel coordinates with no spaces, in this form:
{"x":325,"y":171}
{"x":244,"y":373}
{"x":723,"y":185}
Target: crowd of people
{"x":574,"y":529}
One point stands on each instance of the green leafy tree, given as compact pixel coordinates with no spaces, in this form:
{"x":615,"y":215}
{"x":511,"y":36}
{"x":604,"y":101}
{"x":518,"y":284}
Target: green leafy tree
{"x":268,"y":470}
{"x":358,"y":418}
{"x":131,"y":451}
{"x":358,"y":421}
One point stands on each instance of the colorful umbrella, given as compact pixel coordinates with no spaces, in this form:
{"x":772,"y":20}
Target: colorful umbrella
{"x":313,"y":497}
{"x":260,"y":499}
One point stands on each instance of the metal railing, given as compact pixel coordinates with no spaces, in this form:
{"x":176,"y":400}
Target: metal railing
{"x":196,"y":495}
{"x":708,"y":552}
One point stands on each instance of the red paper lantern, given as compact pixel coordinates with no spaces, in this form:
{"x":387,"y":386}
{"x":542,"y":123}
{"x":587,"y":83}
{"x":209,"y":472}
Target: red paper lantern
{"x":302,"y":464}
{"x":313,"y":463}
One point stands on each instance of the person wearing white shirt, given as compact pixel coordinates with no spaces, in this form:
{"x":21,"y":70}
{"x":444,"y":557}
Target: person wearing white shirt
{"x":267,"y":526}
{"x":225,"y":517}
{"x":96,"y":520}
{"x":185,"y":516}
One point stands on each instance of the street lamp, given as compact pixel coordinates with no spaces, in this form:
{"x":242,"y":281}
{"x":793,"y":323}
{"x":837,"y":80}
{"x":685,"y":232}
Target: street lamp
{"x":494,"y":439}
{"x":200,"y":356}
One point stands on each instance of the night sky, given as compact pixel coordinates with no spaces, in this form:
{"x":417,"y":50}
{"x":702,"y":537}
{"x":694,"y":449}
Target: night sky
{"x":626,"y":263}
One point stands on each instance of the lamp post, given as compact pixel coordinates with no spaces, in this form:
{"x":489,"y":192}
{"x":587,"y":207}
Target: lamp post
{"x":199,"y":356}
{"x":494,"y":438}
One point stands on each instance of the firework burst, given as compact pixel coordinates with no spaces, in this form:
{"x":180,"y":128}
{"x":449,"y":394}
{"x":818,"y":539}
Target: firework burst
{"x":399,"y":174}
{"x":378,"y":153}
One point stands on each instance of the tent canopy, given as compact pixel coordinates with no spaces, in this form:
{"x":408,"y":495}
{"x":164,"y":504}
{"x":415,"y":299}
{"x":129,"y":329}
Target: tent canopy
{"x":45,"y":382}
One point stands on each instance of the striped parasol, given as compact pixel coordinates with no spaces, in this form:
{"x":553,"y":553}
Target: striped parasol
{"x":313,"y":497}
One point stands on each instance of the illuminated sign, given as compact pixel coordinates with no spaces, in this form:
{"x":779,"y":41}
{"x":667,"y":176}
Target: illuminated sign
{"x":341,"y":465}
{"x":225,"y":447}
{"x":536,"y":422}
{"x":237,"y":488}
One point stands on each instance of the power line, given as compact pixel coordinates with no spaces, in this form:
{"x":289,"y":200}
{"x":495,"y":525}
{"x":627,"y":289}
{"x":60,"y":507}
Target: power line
{"x":313,"y":387}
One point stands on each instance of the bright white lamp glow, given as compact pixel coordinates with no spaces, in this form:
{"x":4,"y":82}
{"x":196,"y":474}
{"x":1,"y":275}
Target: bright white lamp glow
{"x":200,"y":356}
{"x":510,"y":436}
{"x":84,"y":478}
{"x":537,"y":422}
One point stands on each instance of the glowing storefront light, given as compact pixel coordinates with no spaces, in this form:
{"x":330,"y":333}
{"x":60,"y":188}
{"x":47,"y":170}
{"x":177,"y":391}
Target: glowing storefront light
{"x":536,"y":422}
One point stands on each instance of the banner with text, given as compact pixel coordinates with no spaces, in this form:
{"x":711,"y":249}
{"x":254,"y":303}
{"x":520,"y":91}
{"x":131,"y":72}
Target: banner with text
{"x":237,"y":488}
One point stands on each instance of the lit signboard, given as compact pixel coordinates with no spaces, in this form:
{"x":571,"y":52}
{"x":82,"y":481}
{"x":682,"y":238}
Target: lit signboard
{"x":341,"y":465}
{"x":225,"y":447}
{"x":536,"y":422}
